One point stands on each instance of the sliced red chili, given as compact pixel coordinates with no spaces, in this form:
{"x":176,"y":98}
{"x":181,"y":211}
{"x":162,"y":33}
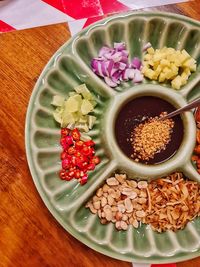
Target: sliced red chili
{"x":63,"y":155}
{"x":71,"y":174}
{"x":91,"y":167}
{"x":79,"y":144}
{"x":62,"y":174}
{"x":77,"y":156}
{"x":67,"y":177}
{"x":85,"y":151}
{"x":69,"y":140}
{"x":75,"y":134}
{"x":84,"y":179}
{"x":65,"y":131}
{"x":77,"y":174}
{"x":66,"y":164}
{"x":89,"y":143}
{"x":63,"y":143}
{"x":71,"y":150}
{"x":96,"y":160}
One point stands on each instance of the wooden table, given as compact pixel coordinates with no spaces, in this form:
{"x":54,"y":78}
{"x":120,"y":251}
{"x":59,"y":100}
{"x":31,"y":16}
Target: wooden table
{"x":29,"y":235}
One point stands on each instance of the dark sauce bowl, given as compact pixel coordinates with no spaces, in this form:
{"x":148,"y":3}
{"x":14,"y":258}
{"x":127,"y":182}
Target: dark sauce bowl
{"x":139,"y":110}
{"x":149,"y":101}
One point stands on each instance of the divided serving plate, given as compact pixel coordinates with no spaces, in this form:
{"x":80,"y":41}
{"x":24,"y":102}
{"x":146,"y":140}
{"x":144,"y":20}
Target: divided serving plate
{"x":69,"y":67}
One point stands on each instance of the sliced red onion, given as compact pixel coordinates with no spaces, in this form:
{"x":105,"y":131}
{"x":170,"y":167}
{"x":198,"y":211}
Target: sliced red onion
{"x":119,"y":46}
{"x":109,"y":82}
{"x":116,"y":76}
{"x":146,"y":46}
{"x":110,"y":67}
{"x":104,"y":50}
{"x":125,"y":53}
{"x":99,"y":68}
{"x":122,"y":66}
{"x":136,"y":63}
{"x":131,"y":74}
{"x":138,"y":78}
{"x":113,"y":65}
{"x":116,"y":57}
{"x":125,"y":75}
{"x":103,"y":68}
{"x":99,"y":58}
{"x":113,"y":71}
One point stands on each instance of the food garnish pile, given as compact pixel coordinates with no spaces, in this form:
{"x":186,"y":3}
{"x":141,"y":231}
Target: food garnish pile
{"x":167,"y":203}
{"x":168,"y":64}
{"x":78,"y":157}
{"x":75,"y":110}
{"x":113,"y":65}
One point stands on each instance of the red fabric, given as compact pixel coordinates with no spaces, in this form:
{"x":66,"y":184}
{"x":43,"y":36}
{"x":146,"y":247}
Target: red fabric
{"x":113,"y":6}
{"x":164,"y":265}
{"x":78,"y":9}
{"x":92,"y":20}
{"x":56,"y":3}
{"x":4,"y":27}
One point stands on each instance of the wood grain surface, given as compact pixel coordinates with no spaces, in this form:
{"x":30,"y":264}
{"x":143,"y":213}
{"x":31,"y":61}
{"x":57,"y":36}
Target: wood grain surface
{"x":29,"y":235}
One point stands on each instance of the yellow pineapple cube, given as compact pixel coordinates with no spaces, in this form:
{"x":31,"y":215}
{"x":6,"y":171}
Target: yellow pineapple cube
{"x":151,"y":51}
{"x":177,"y":82}
{"x":162,"y":77}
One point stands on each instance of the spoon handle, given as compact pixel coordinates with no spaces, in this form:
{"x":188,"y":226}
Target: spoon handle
{"x":191,"y":105}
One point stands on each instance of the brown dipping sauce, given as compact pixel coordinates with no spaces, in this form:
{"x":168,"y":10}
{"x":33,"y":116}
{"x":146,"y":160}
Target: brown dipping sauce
{"x":139,"y":110}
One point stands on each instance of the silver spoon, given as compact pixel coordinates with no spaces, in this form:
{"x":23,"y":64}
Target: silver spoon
{"x":189,"y":106}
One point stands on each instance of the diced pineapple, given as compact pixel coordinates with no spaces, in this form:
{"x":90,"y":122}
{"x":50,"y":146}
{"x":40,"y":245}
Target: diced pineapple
{"x":177,"y":82}
{"x":151,"y":63}
{"x":191,"y":64}
{"x":185,"y":54}
{"x":156,"y":65}
{"x":145,"y":69}
{"x":170,"y":75}
{"x":147,"y":57}
{"x":158,"y":56}
{"x":150,"y":74}
{"x":184,"y":77}
{"x":146,"y":64}
{"x":162,"y":77}
{"x":174,"y":69}
{"x":165,"y":63}
{"x":72,"y":93}
{"x":187,"y":71}
{"x":166,"y":70}
{"x":170,"y":50}
{"x":150,"y":50}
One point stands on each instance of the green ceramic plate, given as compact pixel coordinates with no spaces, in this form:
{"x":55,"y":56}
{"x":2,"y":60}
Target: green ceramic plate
{"x":68,"y":68}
